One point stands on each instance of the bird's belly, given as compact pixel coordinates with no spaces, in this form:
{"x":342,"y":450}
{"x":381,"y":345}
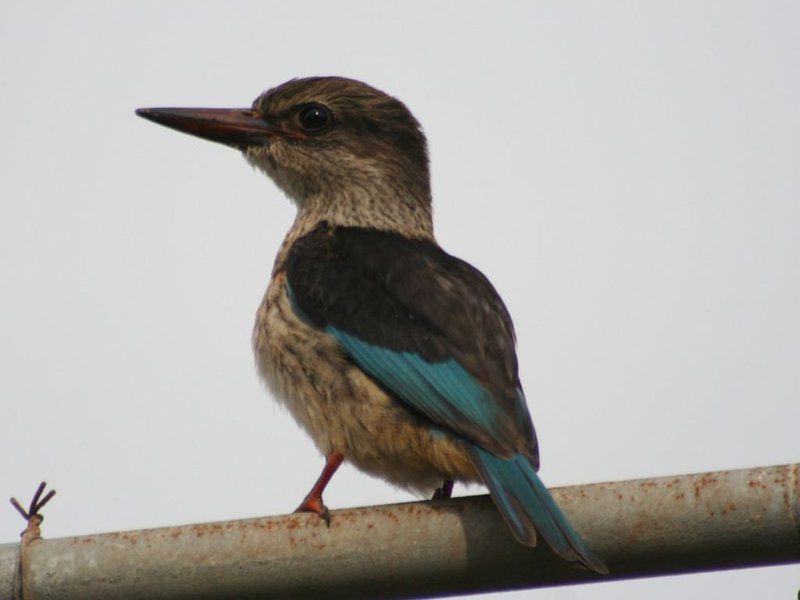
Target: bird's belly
{"x":342,"y":409}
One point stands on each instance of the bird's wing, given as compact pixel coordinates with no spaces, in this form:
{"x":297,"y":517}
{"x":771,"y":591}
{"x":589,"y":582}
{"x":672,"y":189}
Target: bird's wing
{"x":427,"y":326}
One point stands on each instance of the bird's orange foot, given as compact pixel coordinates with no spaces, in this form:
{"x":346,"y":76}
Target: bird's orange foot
{"x":313,"y":504}
{"x":313,"y":500}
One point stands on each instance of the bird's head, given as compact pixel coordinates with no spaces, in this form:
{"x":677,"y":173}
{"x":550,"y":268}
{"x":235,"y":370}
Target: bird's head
{"x":344,"y":151}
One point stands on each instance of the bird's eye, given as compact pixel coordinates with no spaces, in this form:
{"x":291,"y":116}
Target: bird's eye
{"x":315,"y":117}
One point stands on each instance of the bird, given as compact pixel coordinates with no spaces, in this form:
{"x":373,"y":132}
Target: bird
{"x":389,"y":352}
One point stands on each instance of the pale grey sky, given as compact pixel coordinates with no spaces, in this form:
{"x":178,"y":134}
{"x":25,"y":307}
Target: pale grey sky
{"x":626,"y":173}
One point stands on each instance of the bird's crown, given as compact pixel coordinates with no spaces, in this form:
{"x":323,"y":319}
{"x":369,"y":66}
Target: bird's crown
{"x":329,"y":110}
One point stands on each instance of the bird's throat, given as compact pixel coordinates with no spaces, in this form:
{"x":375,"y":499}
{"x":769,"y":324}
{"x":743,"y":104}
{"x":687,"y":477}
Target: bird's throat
{"x":400,"y":213}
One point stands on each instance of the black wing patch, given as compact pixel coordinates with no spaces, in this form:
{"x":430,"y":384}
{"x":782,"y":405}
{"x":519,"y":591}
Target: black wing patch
{"x":427,"y":325}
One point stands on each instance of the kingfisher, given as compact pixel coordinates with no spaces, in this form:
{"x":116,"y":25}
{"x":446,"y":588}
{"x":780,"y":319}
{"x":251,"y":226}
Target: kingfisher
{"x":389,"y":352}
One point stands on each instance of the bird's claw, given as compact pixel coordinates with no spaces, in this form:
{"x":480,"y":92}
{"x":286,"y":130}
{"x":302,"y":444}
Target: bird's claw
{"x":315,"y":505}
{"x":444,"y":492}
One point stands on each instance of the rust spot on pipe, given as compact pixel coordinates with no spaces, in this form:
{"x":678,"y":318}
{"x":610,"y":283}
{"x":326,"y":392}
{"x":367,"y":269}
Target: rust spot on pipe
{"x":703,"y":482}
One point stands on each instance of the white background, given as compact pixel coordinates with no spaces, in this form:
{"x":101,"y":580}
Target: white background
{"x":625,"y":172}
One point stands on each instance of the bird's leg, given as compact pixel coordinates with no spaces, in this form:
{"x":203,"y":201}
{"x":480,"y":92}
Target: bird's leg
{"x":444,"y":492}
{"x":313,"y":500}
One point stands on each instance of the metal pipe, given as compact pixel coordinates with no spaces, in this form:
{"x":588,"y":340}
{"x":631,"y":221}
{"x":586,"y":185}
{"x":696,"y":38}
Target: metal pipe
{"x":8,"y":567}
{"x":641,"y":528}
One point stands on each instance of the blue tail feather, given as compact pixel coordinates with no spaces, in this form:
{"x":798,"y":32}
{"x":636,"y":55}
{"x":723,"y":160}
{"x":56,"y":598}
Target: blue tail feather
{"x":529,"y":508}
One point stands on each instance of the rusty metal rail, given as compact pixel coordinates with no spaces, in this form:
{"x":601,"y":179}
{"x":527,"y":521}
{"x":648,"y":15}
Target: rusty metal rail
{"x":642,"y":528}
